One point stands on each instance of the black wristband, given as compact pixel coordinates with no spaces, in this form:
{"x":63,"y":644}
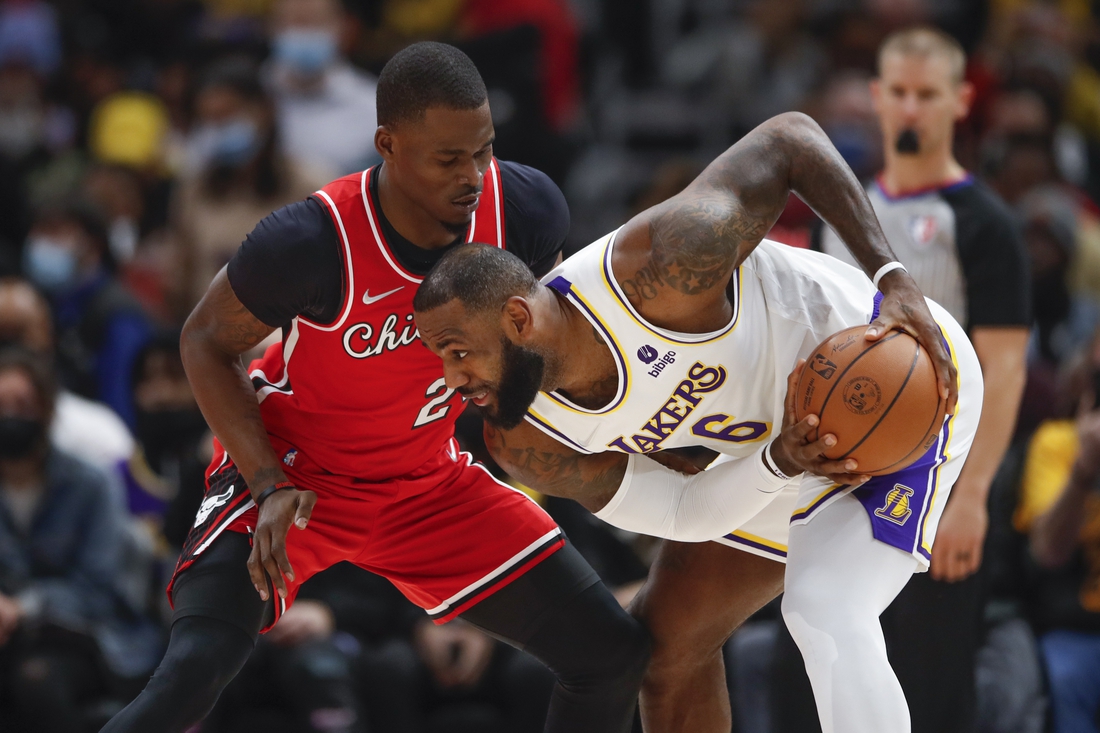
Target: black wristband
{"x":271,"y":490}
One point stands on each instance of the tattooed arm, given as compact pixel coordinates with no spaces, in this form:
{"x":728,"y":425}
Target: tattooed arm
{"x":217,"y":332}
{"x":655,"y":495}
{"x":547,"y":466}
{"x":685,"y":250}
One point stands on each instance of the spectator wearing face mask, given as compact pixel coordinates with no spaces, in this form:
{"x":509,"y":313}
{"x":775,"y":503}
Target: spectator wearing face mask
{"x":100,"y":326}
{"x":84,"y":428}
{"x":174,"y":439}
{"x":66,"y":632}
{"x":237,"y":173}
{"x":325,"y":106}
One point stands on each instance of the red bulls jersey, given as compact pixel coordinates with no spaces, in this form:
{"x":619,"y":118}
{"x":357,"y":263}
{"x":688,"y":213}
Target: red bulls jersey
{"x":362,"y":396}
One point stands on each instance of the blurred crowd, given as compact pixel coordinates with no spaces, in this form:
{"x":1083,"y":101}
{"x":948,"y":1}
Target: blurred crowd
{"x":141,"y":140}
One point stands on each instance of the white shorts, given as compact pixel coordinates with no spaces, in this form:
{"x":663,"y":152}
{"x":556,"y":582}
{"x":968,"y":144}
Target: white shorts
{"x":904,"y":507}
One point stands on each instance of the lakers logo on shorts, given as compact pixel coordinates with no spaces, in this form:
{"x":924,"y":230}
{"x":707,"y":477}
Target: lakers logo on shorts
{"x":897,"y":505}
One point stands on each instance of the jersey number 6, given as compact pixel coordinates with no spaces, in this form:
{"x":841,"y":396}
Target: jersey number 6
{"x":438,"y":395}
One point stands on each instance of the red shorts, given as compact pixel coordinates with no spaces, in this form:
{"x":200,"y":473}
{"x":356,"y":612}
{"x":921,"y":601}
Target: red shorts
{"x":447,"y":535}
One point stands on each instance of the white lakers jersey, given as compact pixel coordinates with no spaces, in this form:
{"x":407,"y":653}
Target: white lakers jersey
{"x":723,"y":390}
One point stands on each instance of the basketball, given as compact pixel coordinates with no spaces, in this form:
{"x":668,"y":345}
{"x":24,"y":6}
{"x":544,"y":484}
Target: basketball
{"x":879,"y":398}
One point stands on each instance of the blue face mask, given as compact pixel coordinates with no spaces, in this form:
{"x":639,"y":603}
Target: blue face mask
{"x":49,"y":264}
{"x":231,"y":144}
{"x":308,"y":52}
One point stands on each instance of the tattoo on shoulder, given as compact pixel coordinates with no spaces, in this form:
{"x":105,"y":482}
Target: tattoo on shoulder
{"x":696,"y":243}
{"x":644,"y":284}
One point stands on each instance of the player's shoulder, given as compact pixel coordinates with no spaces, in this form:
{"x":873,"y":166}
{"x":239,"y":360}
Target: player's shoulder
{"x":532,"y":196}
{"x":350,"y":186}
{"x":302,"y":222}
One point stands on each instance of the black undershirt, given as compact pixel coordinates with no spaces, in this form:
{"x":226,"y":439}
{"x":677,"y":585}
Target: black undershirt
{"x":292,"y":263}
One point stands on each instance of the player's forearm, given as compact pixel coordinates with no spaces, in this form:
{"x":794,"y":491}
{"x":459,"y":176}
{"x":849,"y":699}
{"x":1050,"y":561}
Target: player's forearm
{"x":817,"y":173}
{"x":228,"y":401}
{"x":659,"y":501}
{"x":551,"y":468}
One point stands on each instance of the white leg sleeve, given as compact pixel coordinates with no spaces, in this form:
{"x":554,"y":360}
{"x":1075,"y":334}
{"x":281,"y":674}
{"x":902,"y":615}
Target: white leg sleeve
{"x":838,"y":581}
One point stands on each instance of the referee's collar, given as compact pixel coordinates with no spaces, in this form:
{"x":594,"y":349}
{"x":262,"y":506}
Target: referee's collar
{"x":966,"y":180}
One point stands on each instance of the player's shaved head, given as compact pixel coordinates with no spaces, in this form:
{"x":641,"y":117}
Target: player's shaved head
{"x":426,"y":75}
{"x":479,"y":276}
{"x":925,"y":42}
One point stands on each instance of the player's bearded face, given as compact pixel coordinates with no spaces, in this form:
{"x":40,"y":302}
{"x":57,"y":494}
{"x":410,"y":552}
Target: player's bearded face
{"x":521,"y":373}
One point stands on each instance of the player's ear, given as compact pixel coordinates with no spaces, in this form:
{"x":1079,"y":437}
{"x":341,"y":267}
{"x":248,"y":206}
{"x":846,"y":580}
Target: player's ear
{"x":383,"y":142}
{"x":517,"y":319}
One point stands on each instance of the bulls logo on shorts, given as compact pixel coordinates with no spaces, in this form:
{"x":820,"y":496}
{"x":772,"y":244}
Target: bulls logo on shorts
{"x":227,"y":497}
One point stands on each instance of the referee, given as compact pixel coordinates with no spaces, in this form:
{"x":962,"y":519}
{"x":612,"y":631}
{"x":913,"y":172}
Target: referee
{"x":962,"y":245}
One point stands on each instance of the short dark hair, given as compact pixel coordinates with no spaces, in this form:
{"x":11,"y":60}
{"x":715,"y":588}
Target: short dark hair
{"x":38,"y":370}
{"x":427,"y":74}
{"x":482,"y":277}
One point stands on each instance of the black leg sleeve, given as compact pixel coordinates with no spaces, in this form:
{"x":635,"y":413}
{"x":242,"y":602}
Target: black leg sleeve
{"x":216,"y":624}
{"x":560,"y":613}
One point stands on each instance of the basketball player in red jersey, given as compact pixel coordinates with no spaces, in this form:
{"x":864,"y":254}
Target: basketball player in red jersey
{"x":345,"y":430}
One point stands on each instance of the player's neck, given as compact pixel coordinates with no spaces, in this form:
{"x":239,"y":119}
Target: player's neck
{"x":586,"y":372}
{"x":408,"y":218}
{"x":905,"y":174}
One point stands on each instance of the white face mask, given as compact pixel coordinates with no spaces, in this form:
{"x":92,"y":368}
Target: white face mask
{"x":231,"y":144}
{"x":49,"y":263}
{"x":306,"y":51}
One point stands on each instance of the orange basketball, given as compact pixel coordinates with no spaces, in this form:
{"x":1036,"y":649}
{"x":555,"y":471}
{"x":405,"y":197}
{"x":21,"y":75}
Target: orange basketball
{"x":879,"y":398}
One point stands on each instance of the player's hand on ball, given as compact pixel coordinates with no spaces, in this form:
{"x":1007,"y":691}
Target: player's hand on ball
{"x":268,"y":558}
{"x":904,"y":308}
{"x":794,"y":452}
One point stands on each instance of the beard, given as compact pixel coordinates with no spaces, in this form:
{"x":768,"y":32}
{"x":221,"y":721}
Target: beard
{"x":908,"y":143}
{"x":521,"y":376}
{"x":456,"y":229}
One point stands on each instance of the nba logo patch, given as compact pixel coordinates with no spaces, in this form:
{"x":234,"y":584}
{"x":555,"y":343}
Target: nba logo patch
{"x":897,"y":508}
{"x":923,"y":228}
{"x":288,"y":459}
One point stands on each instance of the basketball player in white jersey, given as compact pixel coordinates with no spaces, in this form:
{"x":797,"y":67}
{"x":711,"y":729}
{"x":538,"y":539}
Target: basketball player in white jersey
{"x":684,"y":328}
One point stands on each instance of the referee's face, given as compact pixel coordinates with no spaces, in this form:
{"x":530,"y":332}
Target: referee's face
{"x":439,"y":162}
{"x":916,"y":95}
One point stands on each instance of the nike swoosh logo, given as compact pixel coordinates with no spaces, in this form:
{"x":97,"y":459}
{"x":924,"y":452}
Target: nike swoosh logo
{"x":368,"y":298}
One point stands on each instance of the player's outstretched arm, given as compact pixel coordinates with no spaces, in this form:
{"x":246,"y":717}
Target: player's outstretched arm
{"x":547,"y":466}
{"x":700,"y":235}
{"x":639,"y":493}
{"x":215,"y":335}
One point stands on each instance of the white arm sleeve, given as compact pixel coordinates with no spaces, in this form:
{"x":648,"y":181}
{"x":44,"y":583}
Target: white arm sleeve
{"x":659,"y":501}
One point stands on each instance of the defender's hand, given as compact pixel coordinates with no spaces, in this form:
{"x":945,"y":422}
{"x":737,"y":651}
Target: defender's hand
{"x":268,"y":558}
{"x":957,"y":553}
{"x":905,"y":309}
{"x":794,"y":452}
